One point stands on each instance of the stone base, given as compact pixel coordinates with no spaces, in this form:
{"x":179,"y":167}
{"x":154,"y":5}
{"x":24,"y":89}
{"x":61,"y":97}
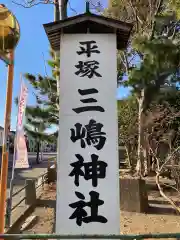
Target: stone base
{"x":51,"y":175}
{"x":133,"y":195}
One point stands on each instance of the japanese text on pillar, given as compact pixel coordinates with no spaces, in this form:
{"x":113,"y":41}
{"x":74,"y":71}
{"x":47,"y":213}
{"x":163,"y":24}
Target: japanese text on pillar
{"x":92,"y":135}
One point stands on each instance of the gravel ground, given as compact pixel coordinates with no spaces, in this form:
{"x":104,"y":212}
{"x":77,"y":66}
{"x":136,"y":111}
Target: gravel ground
{"x":130,"y":223}
{"x":136,"y":223}
{"x":45,"y":214}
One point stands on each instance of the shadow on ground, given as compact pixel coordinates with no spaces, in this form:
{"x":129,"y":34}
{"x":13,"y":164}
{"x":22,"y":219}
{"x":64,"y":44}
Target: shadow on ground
{"x":158,"y":210}
{"x":162,"y":202}
{"x":46,"y":203}
{"x":162,"y":207}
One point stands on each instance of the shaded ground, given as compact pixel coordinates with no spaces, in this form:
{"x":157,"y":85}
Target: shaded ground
{"x":45,"y":213}
{"x":161,"y":217}
{"x":19,"y":181}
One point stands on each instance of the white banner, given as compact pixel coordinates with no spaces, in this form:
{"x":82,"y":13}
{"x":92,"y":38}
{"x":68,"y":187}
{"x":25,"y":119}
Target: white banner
{"x":22,"y":105}
{"x":21,"y":154}
{"x":88,"y":168}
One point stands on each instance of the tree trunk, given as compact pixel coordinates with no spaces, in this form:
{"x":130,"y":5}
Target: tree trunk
{"x":41,"y":152}
{"x":146,"y":163}
{"x":140,"y":154}
{"x":37,"y":153}
{"x":128,"y":156}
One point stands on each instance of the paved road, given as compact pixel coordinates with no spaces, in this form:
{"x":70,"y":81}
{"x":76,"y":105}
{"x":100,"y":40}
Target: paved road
{"x":34,"y":171}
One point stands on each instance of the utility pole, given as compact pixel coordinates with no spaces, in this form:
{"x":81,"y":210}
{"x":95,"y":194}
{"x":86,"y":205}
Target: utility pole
{"x":57,"y":18}
{"x":63,"y":9}
{"x":7,"y":122}
{"x":60,"y":13}
{"x":11,"y":35}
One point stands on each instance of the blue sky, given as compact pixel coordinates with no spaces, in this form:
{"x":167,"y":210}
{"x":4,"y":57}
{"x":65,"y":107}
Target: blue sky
{"x":32,"y":49}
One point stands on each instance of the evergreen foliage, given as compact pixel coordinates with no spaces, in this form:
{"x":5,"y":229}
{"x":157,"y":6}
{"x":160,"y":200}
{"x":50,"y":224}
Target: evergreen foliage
{"x":45,"y":114}
{"x":153,"y":55}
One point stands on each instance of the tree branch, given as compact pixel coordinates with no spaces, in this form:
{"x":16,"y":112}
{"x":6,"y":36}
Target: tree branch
{"x":158,"y":174}
{"x":135,"y":12}
{"x":72,"y":9}
{"x":154,"y":22}
{"x":27,"y":5}
{"x":124,"y":61}
{"x":173,"y":204}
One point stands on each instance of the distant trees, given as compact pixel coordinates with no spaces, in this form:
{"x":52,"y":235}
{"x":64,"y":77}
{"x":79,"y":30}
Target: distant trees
{"x":35,"y":127}
{"x":161,"y":124}
{"x":152,"y":57}
{"x":149,"y":65}
{"x":45,"y":113}
{"x":128,"y":127}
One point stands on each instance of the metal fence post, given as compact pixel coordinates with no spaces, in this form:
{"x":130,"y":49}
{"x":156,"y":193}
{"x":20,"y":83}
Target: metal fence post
{"x":30,"y":192}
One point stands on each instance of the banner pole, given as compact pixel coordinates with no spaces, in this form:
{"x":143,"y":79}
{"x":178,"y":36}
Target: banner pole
{"x":9,"y":200}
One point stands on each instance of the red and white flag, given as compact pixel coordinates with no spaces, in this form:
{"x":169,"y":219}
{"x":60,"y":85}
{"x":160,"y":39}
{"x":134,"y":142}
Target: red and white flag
{"x":22,"y":105}
{"x":20,"y":153}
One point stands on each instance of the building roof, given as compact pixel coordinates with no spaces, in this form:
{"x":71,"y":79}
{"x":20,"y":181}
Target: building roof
{"x":1,"y":128}
{"x":94,"y":23}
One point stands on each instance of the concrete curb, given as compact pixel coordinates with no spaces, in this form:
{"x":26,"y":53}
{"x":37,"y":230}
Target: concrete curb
{"x":15,"y":227}
{"x":44,"y":153}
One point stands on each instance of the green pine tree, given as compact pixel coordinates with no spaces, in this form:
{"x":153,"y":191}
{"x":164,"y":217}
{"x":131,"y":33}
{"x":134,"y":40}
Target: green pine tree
{"x":45,"y":114}
{"x":155,"y":46}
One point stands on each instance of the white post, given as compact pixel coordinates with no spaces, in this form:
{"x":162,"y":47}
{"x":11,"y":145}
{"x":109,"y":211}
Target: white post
{"x":88,"y":176}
